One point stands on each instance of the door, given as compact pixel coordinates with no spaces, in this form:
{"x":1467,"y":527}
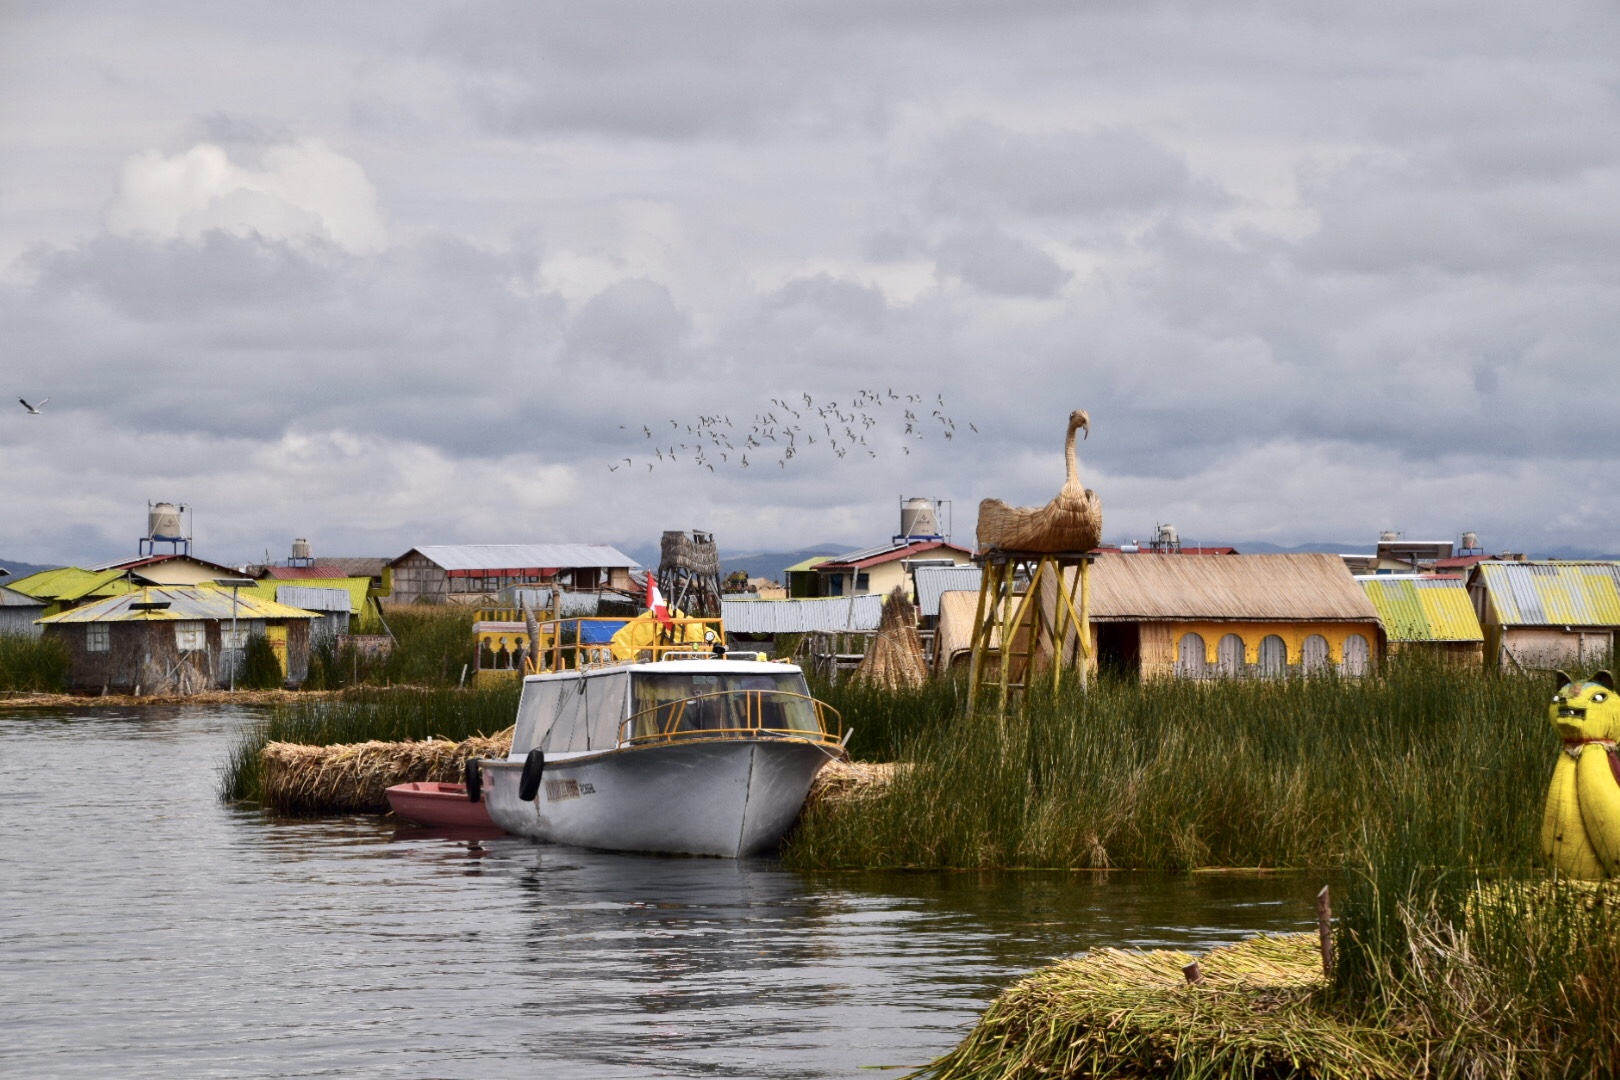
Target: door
{"x":277,"y":637}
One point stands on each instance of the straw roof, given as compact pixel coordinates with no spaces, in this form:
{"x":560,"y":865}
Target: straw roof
{"x":1314,"y":587}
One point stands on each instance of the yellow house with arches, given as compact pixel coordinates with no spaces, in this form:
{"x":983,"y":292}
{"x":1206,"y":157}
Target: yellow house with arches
{"x":1210,"y":616}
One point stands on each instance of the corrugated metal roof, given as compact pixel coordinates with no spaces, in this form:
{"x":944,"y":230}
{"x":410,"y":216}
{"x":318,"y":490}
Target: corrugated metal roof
{"x":1312,"y":587}
{"x":12,"y":598}
{"x":1423,"y":609}
{"x":184,"y":603}
{"x":510,"y":556}
{"x":314,"y":599}
{"x":840,"y":614}
{"x":1552,"y":594}
{"x":70,"y":583}
{"x":809,"y":564}
{"x":934,"y":580}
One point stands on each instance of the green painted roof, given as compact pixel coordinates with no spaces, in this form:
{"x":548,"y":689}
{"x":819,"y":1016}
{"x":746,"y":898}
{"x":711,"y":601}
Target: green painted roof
{"x":70,"y":583}
{"x":809,"y":564}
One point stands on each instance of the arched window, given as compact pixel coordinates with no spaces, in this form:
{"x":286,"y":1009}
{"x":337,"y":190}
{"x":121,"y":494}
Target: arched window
{"x":1315,"y":660}
{"x":1229,"y":656}
{"x":1273,"y":657}
{"x":1357,"y":656}
{"x":1191,"y":660}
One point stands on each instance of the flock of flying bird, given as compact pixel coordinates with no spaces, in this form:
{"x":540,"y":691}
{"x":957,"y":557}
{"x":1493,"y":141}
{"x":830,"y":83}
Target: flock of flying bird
{"x":789,"y":430}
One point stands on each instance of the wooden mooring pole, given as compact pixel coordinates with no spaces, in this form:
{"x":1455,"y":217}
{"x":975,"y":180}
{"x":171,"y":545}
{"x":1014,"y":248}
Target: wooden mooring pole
{"x":1324,"y":929}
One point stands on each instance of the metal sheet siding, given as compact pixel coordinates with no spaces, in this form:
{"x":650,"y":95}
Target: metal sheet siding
{"x":1553,"y":594}
{"x":314,"y":599}
{"x":839,"y":614}
{"x":933,"y":581}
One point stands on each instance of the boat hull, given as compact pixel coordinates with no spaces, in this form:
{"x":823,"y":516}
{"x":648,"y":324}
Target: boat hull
{"x":726,"y":797}
{"x":438,"y":805}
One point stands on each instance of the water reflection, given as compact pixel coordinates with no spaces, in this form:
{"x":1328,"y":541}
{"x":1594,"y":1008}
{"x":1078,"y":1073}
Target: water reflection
{"x":148,"y":930}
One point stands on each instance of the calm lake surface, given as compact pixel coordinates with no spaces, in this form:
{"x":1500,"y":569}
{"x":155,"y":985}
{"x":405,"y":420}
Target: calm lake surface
{"x":146,"y":929}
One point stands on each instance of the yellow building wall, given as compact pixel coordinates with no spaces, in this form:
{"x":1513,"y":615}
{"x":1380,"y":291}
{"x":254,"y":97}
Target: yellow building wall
{"x":1160,"y":642}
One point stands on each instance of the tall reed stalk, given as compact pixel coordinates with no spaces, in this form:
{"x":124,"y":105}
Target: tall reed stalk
{"x":33,"y":664}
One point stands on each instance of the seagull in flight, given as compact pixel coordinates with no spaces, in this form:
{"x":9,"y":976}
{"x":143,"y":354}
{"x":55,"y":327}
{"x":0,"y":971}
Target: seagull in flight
{"x":33,"y":410}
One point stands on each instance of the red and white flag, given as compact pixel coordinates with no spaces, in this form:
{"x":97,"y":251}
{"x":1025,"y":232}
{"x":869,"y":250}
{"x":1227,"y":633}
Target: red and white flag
{"x":656,"y":603}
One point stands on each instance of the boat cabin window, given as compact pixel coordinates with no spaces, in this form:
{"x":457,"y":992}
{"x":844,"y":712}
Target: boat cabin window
{"x":667,"y":703}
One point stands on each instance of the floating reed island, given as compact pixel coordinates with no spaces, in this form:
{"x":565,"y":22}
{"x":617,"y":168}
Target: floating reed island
{"x":1522,"y":981}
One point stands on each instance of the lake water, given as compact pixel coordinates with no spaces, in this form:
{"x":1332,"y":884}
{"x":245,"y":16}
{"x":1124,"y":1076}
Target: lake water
{"x":148,"y":930}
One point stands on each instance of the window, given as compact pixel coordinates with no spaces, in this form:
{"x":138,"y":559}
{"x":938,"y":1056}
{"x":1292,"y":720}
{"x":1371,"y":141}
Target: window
{"x":190,"y":635}
{"x":1190,"y":658}
{"x":668,"y":704}
{"x":1357,"y":656}
{"x":233,"y":639}
{"x":1229,"y":656}
{"x":1273,"y":657}
{"x":1315,"y":660}
{"x":97,"y":637}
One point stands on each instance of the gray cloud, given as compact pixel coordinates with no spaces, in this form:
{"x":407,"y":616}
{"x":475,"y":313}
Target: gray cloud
{"x":984,"y":169}
{"x":1000,"y":264}
{"x":1313,"y":275}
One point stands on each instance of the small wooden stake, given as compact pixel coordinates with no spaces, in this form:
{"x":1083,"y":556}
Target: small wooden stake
{"x":1324,"y":929}
{"x":1195,"y":975}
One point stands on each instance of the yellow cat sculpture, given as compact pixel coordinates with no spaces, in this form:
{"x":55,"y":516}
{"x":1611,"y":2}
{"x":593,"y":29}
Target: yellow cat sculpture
{"x":1580,"y":831}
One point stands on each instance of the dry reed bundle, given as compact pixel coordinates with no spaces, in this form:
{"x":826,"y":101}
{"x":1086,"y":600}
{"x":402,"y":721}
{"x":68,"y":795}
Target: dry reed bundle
{"x":842,"y":782}
{"x":895,"y":659}
{"x":1258,"y":1012}
{"x":355,"y":777}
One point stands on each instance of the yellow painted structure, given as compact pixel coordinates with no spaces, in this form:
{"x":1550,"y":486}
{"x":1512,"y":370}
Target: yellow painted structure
{"x":277,"y":637}
{"x":1293,"y":636}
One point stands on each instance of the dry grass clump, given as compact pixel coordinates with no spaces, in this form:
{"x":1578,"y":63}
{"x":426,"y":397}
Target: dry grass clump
{"x":355,"y":777}
{"x":1258,"y":1013}
{"x":844,"y":782}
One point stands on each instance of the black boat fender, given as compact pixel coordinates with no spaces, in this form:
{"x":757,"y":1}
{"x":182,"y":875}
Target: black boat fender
{"x":474,"y":779}
{"x":529,"y":782}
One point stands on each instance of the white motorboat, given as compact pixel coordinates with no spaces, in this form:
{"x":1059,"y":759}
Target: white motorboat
{"x":675,"y":754}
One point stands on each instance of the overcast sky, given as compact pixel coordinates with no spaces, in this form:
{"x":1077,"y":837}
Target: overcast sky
{"x":391,"y":274}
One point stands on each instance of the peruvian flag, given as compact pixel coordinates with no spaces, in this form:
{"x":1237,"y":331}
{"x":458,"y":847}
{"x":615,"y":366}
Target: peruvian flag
{"x":656,"y":603}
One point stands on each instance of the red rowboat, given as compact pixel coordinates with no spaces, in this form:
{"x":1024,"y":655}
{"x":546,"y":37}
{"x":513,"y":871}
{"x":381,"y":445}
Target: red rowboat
{"x":439,"y":806}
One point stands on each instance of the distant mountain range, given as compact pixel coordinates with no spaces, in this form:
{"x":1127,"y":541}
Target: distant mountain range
{"x":22,"y":569}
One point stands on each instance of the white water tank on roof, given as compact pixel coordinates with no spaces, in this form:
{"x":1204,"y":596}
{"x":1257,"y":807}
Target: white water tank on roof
{"x":919,"y":518}
{"x":300,"y":549}
{"x":1470,"y":541}
{"x":163,"y":522}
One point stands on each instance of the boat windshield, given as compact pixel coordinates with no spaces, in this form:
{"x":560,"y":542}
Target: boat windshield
{"x":665,"y":703}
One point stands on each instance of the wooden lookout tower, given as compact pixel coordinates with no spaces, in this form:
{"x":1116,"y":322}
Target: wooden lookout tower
{"x":689,"y":573}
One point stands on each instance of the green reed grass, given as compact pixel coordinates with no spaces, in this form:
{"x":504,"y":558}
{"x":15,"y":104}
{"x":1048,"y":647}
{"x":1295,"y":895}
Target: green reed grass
{"x":1173,"y":775}
{"x":385,"y":714}
{"x":884,"y":720}
{"x":32,"y":664}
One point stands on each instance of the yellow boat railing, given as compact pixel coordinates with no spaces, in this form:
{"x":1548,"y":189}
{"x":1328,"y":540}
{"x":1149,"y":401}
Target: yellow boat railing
{"x":730,"y":713}
{"x":564,"y":645}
